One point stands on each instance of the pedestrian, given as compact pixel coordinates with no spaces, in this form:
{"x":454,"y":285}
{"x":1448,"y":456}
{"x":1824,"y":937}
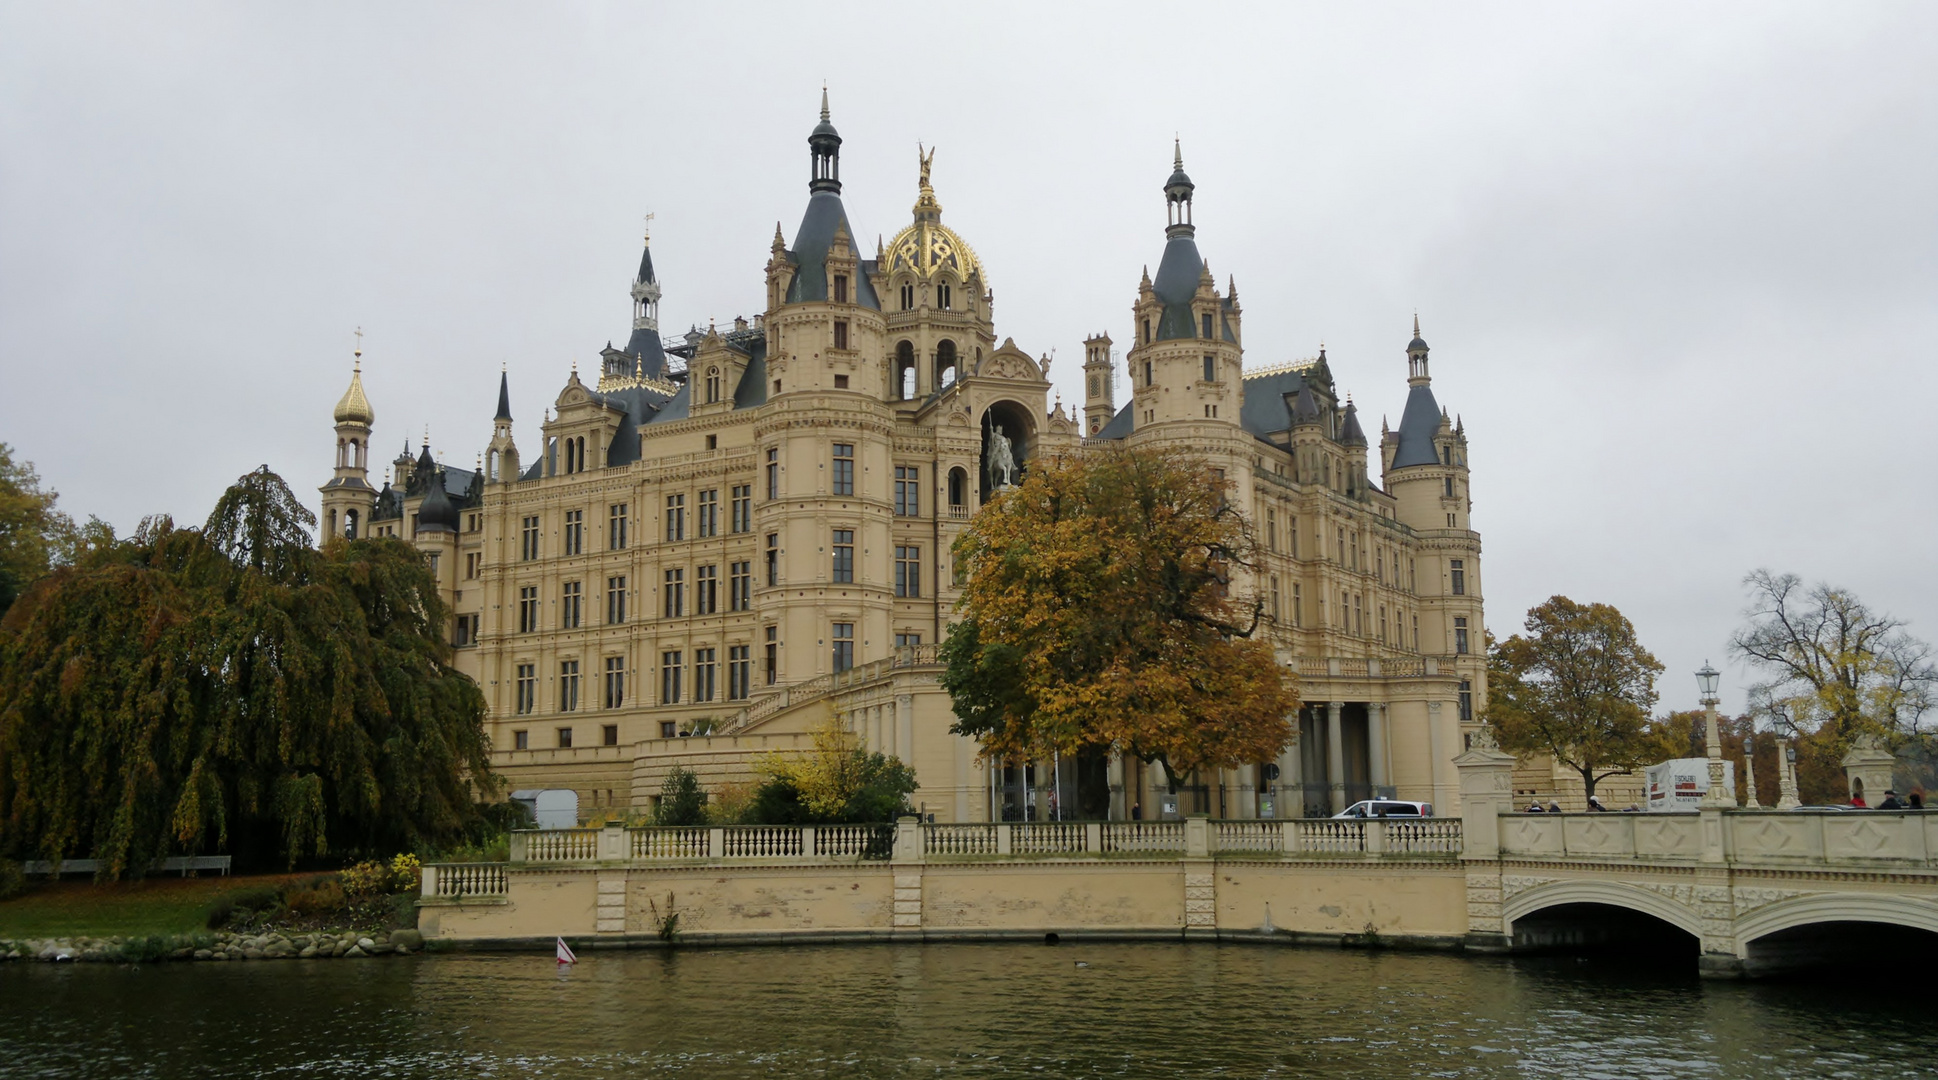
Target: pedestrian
{"x":1534,"y":807}
{"x":1554,"y":807}
{"x":1890,"y":802}
{"x":1857,"y":800}
{"x":1595,"y":805}
{"x":1137,"y":811}
{"x":1917,"y":798}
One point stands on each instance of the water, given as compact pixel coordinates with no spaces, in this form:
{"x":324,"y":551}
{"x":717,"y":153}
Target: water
{"x":1136,"y":1010}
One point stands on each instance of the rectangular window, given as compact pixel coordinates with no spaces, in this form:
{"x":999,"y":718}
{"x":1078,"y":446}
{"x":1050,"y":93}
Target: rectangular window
{"x":527,"y":685}
{"x":668,"y":729}
{"x":528,"y":609}
{"x":706,"y":590}
{"x":571,"y":605}
{"x":1466,"y":701}
{"x":575,"y":532}
{"x":771,"y":655}
{"x":1271,"y":530}
{"x":1359,"y":621}
{"x":709,"y":513}
{"x":670,"y":670}
{"x":773,"y":475}
{"x":1274,"y":608}
{"x":521,"y":740}
{"x":466,"y":633}
{"x":1204,"y":324}
{"x":743,"y":508}
{"x":1292,"y":527}
{"x":609,"y":735}
{"x":528,"y":539}
{"x":616,"y":527}
{"x":1147,"y":373}
{"x":703,"y":672}
{"x":473,"y":563}
{"x":841,"y":288}
{"x":675,"y":590}
{"x":675,"y":517}
{"x":844,"y":470}
{"x":740,"y":586}
{"x":568,"y":687}
{"x":740,"y":672}
{"x":1460,"y":636}
{"x":908,"y":571}
{"x":844,"y":555}
{"x":1382,"y":622}
{"x":841,"y":333}
{"x":907,"y":641}
{"x":615,"y":600}
{"x":1459,"y":576}
{"x":773,"y":559}
{"x":844,"y":646}
{"x":565,"y":738}
{"x":1416,"y":633}
{"x":615,"y":681}
{"x":1211,"y":363}
{"x":908,"y":491}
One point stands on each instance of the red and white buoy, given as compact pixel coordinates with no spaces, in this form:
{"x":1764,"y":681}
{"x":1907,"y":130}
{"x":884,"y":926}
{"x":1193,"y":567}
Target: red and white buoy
{"x":565,"y":953}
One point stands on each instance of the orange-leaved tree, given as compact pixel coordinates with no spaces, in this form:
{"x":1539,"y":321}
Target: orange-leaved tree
{"x":1100,"y":611}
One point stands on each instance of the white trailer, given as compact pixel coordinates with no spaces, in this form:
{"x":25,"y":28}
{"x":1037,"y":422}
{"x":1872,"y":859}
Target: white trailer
{"x":1679,"y":784}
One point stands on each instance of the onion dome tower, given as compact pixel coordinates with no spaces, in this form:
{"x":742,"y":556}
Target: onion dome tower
{"x":348,"y":497}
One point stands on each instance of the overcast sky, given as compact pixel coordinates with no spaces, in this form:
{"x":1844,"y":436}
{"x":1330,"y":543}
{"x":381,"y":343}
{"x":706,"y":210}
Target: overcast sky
{"x":1677,"y":263}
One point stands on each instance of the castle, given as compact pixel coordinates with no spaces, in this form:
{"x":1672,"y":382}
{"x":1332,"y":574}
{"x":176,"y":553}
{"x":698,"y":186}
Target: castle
{"x":730,"y":537}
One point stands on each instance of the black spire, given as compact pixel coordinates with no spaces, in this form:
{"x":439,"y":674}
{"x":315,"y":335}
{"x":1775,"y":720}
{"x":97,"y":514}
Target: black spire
{"x":504,"y":397}
{"x":825,"y":144}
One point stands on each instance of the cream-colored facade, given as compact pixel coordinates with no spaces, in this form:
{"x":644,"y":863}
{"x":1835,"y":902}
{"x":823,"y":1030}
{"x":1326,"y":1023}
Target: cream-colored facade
{"x":723,"y":540}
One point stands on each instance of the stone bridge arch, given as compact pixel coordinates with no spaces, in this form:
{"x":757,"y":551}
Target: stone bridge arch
{"x":1602,"y":892}
{"x":1911,"y":913}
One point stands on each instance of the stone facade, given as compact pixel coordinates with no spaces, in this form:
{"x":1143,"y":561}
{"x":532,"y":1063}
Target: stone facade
{"x":726,"y":538}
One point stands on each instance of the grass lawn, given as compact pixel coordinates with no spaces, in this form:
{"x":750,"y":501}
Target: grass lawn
{"x":158,"y":905}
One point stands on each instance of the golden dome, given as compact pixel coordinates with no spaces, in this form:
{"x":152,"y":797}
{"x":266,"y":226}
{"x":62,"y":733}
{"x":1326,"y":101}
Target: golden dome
{"x":927,"y":246}
{"x":354,"y":408}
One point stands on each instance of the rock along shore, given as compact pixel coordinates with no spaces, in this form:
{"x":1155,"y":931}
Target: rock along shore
{"x":222,"y":946}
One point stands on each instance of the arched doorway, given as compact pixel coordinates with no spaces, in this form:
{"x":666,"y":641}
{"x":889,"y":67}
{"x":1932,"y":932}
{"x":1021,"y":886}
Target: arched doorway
{"x":1008,"y":445}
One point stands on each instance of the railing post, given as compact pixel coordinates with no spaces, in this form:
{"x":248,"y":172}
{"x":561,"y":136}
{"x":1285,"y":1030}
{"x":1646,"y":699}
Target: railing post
{"x":1375,"y":836}
{"x":1291,"y":837}
{"x":807,"y":841}
{"x":612,"y":841}
{"x":1197,"y":837}
{"x":1005,"y":839}
{"x":1486,"y":792}
{"x":1093,"y":837}
{"x":428,"y":887}
{"x":520,"y":847}
{"x":716,"y":843}
{"x":908,"y":839}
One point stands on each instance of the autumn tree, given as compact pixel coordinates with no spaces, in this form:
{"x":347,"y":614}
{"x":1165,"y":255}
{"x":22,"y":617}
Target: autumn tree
{"x":1578,"y":687}
{"x":233,"y":688}
{"x":32,"y":532}
{"x":1830,"y":664}
{"x":839,"y":782}
{"x":1100,"y":610}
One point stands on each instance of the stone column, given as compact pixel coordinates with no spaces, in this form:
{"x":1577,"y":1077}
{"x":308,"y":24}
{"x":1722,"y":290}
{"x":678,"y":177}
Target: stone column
{"x":1119,"y":805}
{"x":1376,"y":749}
{"x":1246,"y":792}
{"x":1335,"y":757}
{"x":1486,"y":792}
{"x":1445,"y":796}
{"x":903,"y":713}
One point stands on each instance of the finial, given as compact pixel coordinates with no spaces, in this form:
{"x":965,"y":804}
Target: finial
{"x":925,"y":160}
{"x":1416,"y":324}
{"x":1177,"y":152}
{"x":824,"y":99}
{"x":359,"y":352}
{"x":427,"y":436}
{"x":648,"y":238}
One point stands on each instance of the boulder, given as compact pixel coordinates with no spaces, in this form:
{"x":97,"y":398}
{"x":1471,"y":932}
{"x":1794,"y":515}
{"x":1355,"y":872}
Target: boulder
{"x":203,"y":954}
{"x":365,"y":943}
{"x":355,"y":950}
{"x":308,"y":952}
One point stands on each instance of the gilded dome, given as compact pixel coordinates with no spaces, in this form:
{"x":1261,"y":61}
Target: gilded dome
{"x":928,"y":246}
{"x":355,"y":408}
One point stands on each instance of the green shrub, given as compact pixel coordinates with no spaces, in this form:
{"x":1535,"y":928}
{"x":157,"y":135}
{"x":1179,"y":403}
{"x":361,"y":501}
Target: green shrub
{"x":681,"y":802}
{"x":241,"y":903}
{"x":149,"y":949}
{"x":364,"y":880}
{"x":403,"y":912}
{"x":13,"y":881}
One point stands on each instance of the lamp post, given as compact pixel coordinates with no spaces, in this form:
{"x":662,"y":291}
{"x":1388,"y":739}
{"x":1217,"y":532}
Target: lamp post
{"x":1749,"y":771}
{"x":1787,"y":775}
{"x":1706,"y":679}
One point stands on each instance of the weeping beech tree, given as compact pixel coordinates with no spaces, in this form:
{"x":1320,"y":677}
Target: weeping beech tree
{"x":234,"y":689}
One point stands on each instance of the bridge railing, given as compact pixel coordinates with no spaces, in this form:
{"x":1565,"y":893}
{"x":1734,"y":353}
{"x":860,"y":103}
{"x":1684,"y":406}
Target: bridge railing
{"x":1856,"y":837}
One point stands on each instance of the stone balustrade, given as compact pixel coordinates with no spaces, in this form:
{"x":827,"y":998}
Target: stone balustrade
{"x":1748,"y":837}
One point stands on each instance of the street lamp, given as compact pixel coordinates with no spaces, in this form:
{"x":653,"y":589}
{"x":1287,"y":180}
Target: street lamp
{"x":1706,"y":679}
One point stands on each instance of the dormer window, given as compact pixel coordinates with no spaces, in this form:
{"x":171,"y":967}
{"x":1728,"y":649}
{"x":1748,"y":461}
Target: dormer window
{"x":841,"y":288}
{"x":713,"y":385}
{"x":1147,"y":331}
{"x":1204,"y":321}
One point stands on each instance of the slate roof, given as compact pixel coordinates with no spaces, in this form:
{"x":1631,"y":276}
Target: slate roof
{"x":1418,"y":425}
{"x":824,"y":215}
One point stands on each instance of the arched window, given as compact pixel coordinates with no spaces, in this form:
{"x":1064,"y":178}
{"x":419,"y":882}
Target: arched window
{"x":332,"y":521}
{"x":942,"y":295}
{"x":958,"y":486}
{"x":905,"y":369}
{"x":349,"y":524}
{"x":908,"y":296}
{"x":713,"y":385}
{"x":945,"y":363}
{"x":581,"y":453}
{"x":492,"y":474}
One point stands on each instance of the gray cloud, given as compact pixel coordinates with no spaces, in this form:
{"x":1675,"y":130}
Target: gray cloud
{"x":1677,"y":263}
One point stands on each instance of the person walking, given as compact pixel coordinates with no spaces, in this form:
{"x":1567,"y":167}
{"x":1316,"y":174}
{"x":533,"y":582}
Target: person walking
{"x":1595,"y":805}
{"x":1890,"y":802}
{"x":1917,"y":798}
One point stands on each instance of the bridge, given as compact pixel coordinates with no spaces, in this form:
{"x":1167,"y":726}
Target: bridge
{"x":1734,"y":892}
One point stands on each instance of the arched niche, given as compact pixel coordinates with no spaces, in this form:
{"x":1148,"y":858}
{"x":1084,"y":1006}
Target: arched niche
{"x":1016,"y":424}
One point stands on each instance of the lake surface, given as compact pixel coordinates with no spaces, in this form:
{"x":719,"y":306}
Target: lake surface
{"x":1136,"y":1010}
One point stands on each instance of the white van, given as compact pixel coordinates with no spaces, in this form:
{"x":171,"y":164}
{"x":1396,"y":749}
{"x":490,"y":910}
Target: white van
{"x":1386,"y":808}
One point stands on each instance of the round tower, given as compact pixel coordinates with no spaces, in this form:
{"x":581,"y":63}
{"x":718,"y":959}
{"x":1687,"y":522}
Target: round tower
{"x":348,"y":497}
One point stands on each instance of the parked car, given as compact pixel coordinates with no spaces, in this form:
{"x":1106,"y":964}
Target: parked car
{"x":1831,"y":809}
{"x":1386,"y":808}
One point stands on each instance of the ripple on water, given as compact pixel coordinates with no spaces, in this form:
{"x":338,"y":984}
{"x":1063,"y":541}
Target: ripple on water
{"x":1136,"y":1010}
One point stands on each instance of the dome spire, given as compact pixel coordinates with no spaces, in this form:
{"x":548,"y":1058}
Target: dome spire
{"x":926,"y":208}
{"x":354,"y":407}
{"x":825,"y":146}
{"x":1177,"y":196}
